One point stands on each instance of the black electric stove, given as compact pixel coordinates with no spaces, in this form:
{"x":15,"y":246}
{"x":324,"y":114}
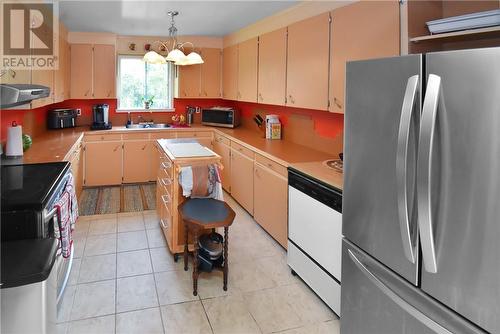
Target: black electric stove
{"x":28,"y":195}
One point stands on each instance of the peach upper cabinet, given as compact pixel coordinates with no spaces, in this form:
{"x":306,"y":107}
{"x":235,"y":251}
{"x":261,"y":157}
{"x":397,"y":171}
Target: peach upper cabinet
{"x":61,"y":74}
{"x":272,"y":67}
{"x":308,"y":58}
{"x":211,"y":73}
{"x":201,"y":81}
{"x":93,"y":71}
{"x":104,"y":71}
{"x":189,"y":81}
{"x":374,"y":26}
{"x":230,"y":72}
{"x":247,"y":70}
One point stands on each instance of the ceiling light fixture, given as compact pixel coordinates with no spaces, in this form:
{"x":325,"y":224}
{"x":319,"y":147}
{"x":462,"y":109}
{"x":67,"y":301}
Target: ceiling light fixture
{"x":175,"y":49}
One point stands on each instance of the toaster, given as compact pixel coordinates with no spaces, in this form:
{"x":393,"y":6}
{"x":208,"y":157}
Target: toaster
{"x":61,"y":118}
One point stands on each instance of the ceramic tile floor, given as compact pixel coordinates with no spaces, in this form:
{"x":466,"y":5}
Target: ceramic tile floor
{"x":125,"y":281}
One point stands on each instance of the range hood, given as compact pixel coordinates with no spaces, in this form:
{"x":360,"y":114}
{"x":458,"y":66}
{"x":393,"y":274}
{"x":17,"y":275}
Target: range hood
{"x":12,"y":95}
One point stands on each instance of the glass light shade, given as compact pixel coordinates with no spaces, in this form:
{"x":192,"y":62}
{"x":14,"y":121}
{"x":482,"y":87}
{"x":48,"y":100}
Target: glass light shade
{"x":194,"y":58}
{"x":175,"y":55}
{"x":153,"y":57}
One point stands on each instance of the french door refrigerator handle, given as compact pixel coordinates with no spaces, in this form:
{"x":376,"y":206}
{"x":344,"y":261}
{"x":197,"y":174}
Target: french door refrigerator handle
{"x":410,"y":309}
{"x":424,"y":164}
{"x":401,"y":162}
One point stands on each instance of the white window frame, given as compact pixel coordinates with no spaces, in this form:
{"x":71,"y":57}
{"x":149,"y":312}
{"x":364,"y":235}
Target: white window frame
{"x":171,"y":74}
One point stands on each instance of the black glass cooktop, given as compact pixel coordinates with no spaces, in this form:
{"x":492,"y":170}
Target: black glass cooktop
{"x":30,"y":186}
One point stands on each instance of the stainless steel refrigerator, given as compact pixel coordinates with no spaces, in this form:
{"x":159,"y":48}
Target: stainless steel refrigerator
{"x":421,"y":199}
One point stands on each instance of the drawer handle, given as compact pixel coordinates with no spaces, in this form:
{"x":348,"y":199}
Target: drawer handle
{"x":166,"y":165}
{"x":144,"y":147}
{"x":269,"y":165}
{"x":162,"y":223}
{"x":165,"y":198}
{"x":337,"y":103}
{"x":102,"y":137}
{"x":291,"y":99}
{"x":166,"y":181}
{"x":116,"y":148}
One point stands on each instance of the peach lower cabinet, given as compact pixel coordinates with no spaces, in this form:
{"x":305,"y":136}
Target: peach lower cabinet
{"x":112,"y":158}
{"x":257,"y":183}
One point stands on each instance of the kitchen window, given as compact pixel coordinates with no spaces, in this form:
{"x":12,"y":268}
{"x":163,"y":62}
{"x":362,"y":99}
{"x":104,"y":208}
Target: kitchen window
{"x":143,"y":86}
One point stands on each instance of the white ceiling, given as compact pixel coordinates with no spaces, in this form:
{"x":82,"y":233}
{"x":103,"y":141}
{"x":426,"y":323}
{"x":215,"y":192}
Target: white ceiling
{"x":149,"y":18}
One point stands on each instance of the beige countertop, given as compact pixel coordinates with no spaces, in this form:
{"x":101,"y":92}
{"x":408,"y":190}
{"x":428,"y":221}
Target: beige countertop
{"x":319,"y":171}
{"x":57,"y":145}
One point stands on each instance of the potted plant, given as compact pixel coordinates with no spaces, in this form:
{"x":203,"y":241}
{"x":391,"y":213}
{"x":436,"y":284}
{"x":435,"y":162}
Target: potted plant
{"x":148,"y":102}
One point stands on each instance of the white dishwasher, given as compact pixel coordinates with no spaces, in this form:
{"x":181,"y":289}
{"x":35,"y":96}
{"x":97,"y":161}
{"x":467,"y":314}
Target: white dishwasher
{"x":315,"y":235}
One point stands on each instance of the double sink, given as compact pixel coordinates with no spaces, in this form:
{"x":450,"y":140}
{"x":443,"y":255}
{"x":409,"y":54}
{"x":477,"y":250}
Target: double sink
{"x":148,"y":126}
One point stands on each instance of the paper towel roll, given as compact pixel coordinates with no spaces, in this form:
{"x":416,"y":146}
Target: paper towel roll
{"x":14,"y":141}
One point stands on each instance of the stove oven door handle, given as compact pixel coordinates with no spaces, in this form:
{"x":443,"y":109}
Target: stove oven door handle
{"x":50,"y":215}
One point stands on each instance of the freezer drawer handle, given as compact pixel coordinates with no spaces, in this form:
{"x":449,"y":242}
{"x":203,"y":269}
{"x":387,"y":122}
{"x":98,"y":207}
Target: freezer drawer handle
{"x":424,"y":166}
{"x":410,"y":309}
{"x":401,"y":165}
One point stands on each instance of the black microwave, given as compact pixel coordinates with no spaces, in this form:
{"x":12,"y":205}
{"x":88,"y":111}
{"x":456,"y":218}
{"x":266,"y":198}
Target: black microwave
{"x":220,"y":116}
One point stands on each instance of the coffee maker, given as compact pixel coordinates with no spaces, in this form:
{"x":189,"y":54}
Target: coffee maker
{"x":100,"y":113}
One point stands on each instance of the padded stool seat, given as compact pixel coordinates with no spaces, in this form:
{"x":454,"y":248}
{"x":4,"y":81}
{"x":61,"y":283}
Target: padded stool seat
{"x":199,"y":214}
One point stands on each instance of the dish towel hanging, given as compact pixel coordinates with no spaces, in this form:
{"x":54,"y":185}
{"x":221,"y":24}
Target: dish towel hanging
{"x":67,"y":214}
{"x":63,"y":206}
{"x":201,"y":182}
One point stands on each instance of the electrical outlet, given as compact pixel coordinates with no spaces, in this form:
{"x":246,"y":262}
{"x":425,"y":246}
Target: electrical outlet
{"x":198,"y":110}
{"x":78,"y":112}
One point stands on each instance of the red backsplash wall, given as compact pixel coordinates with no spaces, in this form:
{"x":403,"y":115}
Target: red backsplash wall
{"x":326,"y":124}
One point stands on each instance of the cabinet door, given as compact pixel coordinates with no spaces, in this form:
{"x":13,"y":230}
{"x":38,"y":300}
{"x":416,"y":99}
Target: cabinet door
{"x":81,"y":71}
{"x":225,"y":152}
{"x":377,"y":37}
{"x":272,"y":67}
{"x":247,"y":70}
{"x":104,"y":71}
{"x":230,"y":72}
{"x":270,"y":202}
{"x":308,"y":58}
{"x":242,"y":179}
{"x":103,"y":163}
{"x":189,"y":81}
{"x":44,"y":78}
{"x":76,"y":170}
{"x":136,"y":161}
{"x":154,"y":155}
{"x":210,"y":73}
{"x":59,"y":74}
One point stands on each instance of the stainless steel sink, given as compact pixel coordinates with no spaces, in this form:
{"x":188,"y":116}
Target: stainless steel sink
{"x":148,"y":126}
{"x":159,"y":125}
{"x":135,"y":126}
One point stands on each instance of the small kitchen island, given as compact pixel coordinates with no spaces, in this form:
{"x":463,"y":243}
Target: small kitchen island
{"x":173,"y":154}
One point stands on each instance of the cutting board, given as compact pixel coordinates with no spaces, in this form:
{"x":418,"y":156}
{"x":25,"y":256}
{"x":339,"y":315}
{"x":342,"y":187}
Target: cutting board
{"x":188,"y":150}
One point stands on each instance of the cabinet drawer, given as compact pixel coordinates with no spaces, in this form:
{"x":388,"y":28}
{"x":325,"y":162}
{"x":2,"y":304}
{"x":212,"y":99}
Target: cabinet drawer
{"x":163,"y":134}
{"x":102,"y":137}
{"x":166,"y":200}
{"x":165,"y":167}
{"x":197,"y":134}
{"x":135,"y":136}
{"x":280,"y":169}
{"x":242,"y":149}
{"x":223,"y":140}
